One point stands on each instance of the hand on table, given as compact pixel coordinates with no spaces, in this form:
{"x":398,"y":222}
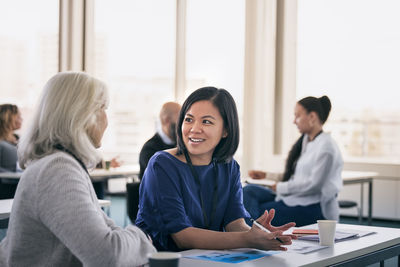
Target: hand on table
{"x":115,"y":162}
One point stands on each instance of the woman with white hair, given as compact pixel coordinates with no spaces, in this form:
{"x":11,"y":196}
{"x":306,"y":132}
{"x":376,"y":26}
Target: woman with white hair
{"x":56,"y":219}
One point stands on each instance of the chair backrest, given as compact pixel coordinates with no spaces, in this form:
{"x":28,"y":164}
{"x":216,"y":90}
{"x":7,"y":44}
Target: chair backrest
{"x":132,"y":200}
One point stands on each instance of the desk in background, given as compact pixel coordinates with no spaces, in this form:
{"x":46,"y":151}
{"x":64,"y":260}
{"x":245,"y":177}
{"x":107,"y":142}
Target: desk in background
{"x":5,"y":208}
{"x":6,"y":205}
{"x":95,"y":175}
{"x":354,"y":177}
{"x":362,"y":251}
{"x":10,"y":175}
{"x":120,"y":172}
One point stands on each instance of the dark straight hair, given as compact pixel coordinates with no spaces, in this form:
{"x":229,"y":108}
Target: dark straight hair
{"x":321,"y":106}
{"x":226,"y":106}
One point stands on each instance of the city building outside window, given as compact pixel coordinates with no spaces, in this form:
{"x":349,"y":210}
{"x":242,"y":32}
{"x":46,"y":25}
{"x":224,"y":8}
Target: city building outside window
{"x":215,"y":35}
{"x":349,"y":50}
{"x":28,"y":51}
{"x":134,"y":44}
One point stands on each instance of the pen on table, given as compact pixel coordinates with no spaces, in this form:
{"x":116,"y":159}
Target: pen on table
{"x":265,"y":229}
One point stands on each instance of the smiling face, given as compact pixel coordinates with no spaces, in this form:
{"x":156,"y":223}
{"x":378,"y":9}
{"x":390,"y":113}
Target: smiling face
{"x":202,"y":130}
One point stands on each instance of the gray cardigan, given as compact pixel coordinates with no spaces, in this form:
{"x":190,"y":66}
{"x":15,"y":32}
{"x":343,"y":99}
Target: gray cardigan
{"x":56,"y":221}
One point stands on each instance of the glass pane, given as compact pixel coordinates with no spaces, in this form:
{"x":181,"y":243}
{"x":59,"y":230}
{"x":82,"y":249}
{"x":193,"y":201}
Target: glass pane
{"x":28,"y":51}
{"x":349,"y":50}
{"x":135,"y":55}
{"x":215,"y":48}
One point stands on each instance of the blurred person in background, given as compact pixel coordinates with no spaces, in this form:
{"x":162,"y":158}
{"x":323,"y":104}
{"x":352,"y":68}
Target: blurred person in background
{"x":165,"y":137}
{"x":308,"y":189}
{"x":10,"y":120}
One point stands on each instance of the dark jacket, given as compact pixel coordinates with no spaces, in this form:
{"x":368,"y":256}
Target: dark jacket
{"x":152,"y":145}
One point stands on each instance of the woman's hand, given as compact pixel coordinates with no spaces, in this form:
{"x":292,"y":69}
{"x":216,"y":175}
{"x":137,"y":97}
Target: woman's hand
{"x":273,"y":240}
{"x":257,"y":174}
{"x":266,"y":218}
{"x":259,"y":239}
{"x":272,"y":187}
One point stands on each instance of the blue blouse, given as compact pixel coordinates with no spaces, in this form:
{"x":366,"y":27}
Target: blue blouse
{"x":169,"y":198}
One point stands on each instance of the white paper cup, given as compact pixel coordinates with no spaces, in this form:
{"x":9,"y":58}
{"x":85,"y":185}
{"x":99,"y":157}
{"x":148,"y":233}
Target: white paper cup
{"x":326,"y":232}
{"x":164,"y":259}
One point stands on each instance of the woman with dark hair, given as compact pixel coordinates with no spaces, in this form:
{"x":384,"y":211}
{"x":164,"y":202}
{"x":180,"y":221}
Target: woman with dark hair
{"x":312,"y":177}
{"x":191,"y":196}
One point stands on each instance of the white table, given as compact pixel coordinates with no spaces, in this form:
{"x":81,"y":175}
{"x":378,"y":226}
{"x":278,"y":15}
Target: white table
{"x":349,"y":177}
{"x":10,"y":175}
{"x":354,"y":177}
{"x":363,"y":251}
{"x":6,"y":205}
{"x":95,"y":175}
{"x":5,"y":208}
{"x":104,"y":203}
{"x":123,"y":171}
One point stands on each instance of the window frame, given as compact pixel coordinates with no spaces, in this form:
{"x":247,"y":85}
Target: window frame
{"x":269,"y":74}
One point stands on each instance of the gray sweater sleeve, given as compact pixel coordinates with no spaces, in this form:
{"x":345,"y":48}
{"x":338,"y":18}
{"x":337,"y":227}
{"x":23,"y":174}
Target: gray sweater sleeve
{"x":68,"y":208}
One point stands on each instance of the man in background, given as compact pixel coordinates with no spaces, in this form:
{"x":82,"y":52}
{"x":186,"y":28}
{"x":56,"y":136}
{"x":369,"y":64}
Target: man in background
{"x":165,"y":137}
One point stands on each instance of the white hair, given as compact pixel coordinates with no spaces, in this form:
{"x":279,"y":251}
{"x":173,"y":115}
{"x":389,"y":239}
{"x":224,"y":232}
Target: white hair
{"x":66,"y":113}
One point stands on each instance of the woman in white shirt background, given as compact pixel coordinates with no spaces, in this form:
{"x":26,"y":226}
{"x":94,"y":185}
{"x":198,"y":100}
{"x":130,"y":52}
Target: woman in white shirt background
{"x":312,"y":178}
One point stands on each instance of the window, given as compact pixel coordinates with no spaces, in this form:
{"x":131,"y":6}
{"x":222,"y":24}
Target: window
{"x":28,"y":51}
{"x":135,"y":55}
{"x":215,"y":48}
{"x":349,"y":50}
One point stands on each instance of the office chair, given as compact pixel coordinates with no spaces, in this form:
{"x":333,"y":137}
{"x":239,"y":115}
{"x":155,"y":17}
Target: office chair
{"x":347,"y":204}
{"x":132,"y":199}
{"x":4,"y":223}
